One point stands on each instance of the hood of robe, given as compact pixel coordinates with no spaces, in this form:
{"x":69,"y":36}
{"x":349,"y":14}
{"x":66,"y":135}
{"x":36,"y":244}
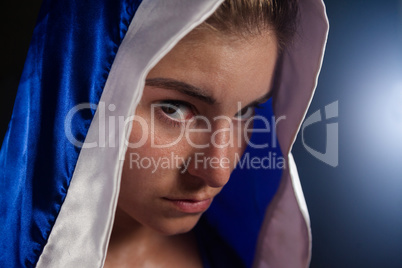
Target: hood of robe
{"x":60,"y":169}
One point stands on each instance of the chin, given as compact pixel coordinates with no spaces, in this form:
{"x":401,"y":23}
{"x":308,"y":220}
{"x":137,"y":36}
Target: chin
{"x":176,"y":226}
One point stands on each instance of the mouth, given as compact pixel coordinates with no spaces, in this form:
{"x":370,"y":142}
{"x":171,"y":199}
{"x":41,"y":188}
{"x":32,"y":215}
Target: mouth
{"x":190,"y":205}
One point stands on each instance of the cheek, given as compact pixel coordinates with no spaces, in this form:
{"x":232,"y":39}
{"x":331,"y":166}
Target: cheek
{"x":141,"y":172}
{"x":142,"y":186}
{"x":141,"y":192}
{"x":146,"y":172}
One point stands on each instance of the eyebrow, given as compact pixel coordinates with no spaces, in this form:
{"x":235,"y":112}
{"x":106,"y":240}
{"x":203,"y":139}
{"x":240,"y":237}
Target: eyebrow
{"x":182,"y":87}
{"x":193,"y":91}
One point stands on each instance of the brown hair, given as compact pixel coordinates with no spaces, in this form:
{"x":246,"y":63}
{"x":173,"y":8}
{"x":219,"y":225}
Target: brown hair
{"x":251,"y":17}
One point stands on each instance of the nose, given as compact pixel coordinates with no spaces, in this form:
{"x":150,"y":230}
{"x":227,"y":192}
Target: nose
{"x":215,"y":163}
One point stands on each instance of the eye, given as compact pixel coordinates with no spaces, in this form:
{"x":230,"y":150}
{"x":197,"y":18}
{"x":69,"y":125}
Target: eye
{"x":245,"y":113}
{"x":176,"y":110}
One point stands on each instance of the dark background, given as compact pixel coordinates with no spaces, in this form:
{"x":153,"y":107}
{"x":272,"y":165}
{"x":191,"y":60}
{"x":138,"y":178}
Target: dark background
{"x":355,"y":208}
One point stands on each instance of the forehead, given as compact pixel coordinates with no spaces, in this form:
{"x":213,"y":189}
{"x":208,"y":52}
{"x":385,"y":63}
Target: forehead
{"x":239,"y":67}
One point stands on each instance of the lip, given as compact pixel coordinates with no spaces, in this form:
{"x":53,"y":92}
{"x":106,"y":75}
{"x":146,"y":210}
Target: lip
{"x":190,"y":205}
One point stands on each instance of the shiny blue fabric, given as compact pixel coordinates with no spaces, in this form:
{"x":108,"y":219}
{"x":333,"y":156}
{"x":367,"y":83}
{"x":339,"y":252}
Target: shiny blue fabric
{"x":71,"y":52}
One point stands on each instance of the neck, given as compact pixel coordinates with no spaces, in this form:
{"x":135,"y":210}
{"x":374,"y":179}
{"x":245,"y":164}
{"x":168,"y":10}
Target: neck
{"x":135,"y":244}
{"x":127,"y":230}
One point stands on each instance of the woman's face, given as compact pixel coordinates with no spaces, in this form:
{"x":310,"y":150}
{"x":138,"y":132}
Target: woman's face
{"x":192,"y":126}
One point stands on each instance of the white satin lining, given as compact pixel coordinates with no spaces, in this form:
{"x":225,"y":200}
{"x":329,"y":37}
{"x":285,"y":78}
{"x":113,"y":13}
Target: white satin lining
{"x":285,"y":237}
